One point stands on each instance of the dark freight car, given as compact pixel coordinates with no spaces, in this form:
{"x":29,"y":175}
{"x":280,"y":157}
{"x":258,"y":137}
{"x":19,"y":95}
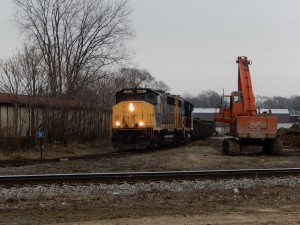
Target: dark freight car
{"x":203,"y":128}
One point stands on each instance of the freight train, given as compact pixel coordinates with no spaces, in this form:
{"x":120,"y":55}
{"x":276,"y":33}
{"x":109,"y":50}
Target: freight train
{"x":144,"y":118}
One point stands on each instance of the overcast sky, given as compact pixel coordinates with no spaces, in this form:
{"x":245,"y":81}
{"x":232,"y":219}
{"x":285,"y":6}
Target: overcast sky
{"x":192,"y":45}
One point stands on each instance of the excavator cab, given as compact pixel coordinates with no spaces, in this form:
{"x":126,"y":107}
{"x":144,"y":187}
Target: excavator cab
{"x":231,"y":106}
{"x":226,"y":102}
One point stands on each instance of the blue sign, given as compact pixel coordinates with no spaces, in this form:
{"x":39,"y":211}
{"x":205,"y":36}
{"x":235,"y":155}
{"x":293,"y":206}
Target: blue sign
{"x":40,"y":134}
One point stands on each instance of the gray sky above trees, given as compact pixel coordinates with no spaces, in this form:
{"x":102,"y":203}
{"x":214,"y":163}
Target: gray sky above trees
{"x":192,"y":44}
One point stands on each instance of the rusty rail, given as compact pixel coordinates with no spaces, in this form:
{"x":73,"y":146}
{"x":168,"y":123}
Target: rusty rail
{"x":147,"y":176}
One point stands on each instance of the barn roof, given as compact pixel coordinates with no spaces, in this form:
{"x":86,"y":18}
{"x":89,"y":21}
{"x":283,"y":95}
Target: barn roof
{"x":206,"y":110}
{"x":276,"y":111}
{"x":9,"y":99}
{"x":215,"y":110}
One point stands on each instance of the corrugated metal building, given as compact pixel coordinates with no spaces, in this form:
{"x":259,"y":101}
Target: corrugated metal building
{"x":283,"y":115}
{"x":205,"y":113}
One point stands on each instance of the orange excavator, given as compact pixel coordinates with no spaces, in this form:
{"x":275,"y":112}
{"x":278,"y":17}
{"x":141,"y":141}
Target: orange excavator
{"x":247,"y":127}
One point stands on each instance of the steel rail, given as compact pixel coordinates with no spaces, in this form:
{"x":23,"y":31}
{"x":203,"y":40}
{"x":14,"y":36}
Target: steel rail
{"x":146,"y":176}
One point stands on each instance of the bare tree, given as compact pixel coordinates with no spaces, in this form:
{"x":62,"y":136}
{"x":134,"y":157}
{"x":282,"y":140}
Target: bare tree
{"x":35,"y":83}
{"x":294,"y":101}
{"x":160,"y":85}
{"x":206,"y":99}
{"x":138,"y":78}
{"x":11,"y":80}
{"x":134,"y":78}
{"x":277,"y":102}
{"x":33,"y":72}
{"x":78,"y":38}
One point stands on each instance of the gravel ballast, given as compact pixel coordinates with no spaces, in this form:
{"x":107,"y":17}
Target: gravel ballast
{"x":79,"y":190}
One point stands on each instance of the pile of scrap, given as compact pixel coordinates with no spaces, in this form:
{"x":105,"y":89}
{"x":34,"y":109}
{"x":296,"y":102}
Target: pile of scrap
{"x":291,"y":136}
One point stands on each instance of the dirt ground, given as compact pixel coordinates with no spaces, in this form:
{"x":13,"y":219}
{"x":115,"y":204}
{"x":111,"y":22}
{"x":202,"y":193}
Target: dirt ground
{"x":203,"y":154}
{"x":269,"y":206}
{"x":256,"y":205}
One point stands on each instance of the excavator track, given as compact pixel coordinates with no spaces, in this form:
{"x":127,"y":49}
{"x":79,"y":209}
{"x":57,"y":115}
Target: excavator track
{"x":231,"y":147}
{"x":273,"y":147}
{"x":277,"y":147}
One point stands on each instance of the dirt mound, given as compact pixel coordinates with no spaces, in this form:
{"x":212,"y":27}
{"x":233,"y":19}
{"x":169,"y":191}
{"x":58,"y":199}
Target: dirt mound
{"x":291,"y":136}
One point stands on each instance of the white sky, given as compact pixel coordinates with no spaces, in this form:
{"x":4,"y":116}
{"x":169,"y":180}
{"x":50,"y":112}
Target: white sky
{"x":192,"y":45}
{"x":10,"y":38}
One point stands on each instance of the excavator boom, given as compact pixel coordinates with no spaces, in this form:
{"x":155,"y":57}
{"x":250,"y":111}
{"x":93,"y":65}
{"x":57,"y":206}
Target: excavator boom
{"x":245,"y":86}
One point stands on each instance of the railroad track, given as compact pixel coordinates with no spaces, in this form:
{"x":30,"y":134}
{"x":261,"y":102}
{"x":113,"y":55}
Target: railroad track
{"x":131,"y":177}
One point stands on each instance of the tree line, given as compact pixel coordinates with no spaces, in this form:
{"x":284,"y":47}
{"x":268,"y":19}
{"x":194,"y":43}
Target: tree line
{"x":211,"y":99}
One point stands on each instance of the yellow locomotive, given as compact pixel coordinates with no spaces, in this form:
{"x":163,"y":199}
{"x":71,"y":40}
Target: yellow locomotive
{"x":145,"y":118}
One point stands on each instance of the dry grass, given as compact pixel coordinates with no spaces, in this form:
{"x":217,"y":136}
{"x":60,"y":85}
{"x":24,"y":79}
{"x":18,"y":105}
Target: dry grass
{"x":57,"y":150}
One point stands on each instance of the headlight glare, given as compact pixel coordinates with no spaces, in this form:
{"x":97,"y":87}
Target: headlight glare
{"x":131,"y":107}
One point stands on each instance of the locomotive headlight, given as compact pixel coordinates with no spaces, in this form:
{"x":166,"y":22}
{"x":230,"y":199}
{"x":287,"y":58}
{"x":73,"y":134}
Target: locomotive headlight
{"x":117,"y":123}
{"x":131,"y":107}
{"x":141,"y":124}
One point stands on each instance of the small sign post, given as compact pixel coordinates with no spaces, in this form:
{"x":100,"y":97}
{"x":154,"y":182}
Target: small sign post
{"x":41,"y":135}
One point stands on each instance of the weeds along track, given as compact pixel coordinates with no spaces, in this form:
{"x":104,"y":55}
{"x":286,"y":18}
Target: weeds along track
{"x":120,"y":153}
{"x":24,"y":162}
{"x":134,"y":177}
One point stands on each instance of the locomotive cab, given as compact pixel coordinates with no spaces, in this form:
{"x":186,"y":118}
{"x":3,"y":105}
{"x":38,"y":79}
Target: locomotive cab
{"x":135,"y":117}
{"x":135,"y":108}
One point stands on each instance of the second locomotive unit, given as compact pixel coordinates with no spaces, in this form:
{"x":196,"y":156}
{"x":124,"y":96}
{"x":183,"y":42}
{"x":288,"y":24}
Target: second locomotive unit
{"x":145,"y":118}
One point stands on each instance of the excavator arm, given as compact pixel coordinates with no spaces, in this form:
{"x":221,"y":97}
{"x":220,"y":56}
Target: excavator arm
{"x":245,"y":86}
